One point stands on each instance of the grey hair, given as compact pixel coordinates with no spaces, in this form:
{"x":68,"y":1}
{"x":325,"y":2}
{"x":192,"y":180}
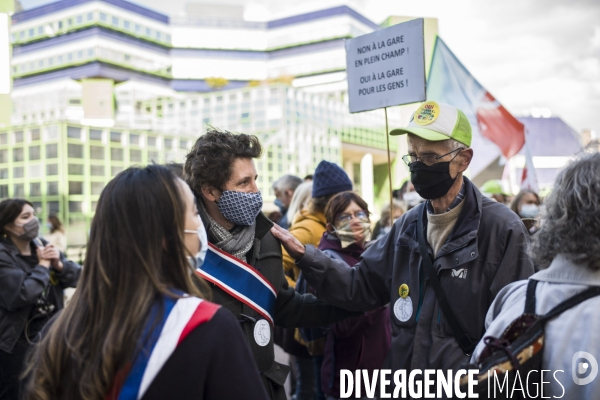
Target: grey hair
{"x":452,"y":145}
{"x":287,"y":182}
{"x":572,"y":219}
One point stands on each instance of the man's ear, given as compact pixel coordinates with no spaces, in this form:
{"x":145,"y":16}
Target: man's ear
{"x":465,"y":159}
{"x":210,"y":193}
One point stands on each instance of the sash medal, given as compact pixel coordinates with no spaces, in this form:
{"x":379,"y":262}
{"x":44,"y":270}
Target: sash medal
{"x":181,"y":316}
{"x":239,"y":280}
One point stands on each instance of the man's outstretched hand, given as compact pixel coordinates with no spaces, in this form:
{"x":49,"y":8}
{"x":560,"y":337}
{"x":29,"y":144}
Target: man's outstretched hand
{"x":292,"y":245}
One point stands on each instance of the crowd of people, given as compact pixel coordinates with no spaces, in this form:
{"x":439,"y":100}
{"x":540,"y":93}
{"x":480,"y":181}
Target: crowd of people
{"x":187,"y":286}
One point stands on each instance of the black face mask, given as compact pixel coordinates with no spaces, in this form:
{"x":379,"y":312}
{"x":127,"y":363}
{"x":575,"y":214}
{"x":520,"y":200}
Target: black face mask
{"x":431,"y":182}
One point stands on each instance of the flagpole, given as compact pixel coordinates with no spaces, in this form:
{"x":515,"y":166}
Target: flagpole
{"x":387,"y":138}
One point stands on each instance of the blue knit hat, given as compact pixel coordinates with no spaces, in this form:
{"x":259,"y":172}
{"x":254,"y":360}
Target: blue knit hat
{"x":328,"y":179}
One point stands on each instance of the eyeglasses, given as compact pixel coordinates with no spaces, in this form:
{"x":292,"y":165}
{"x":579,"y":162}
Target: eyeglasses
{"x":360,"y":214}
{"x":428,"y":159}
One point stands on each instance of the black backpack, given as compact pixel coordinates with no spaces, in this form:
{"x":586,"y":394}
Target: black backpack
{"x":519,"y":351}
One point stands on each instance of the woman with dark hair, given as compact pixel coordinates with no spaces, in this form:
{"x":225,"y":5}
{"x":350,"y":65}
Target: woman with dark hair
{"x":33,"y":275}
{"x":56,"y":233}
{"x":137,"y":326}
{"x":359,"y":342}
{"x":567,"y":249}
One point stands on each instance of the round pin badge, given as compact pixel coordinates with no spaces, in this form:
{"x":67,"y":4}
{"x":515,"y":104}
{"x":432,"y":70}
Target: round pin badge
{"x":427,"y":113}
{"x":403,"y":290}
{"x":262,"y":332}
{"x":403,"y":309}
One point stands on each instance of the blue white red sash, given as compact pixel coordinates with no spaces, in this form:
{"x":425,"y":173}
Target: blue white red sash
{"x":180,"y":318}
{"x":239,"y":280}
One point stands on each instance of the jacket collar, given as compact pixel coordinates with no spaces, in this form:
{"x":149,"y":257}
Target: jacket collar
{"x":9,"y":246}
{"x":263,"y":226}
{"x":563,"y":270}
{"x":466,"y":227}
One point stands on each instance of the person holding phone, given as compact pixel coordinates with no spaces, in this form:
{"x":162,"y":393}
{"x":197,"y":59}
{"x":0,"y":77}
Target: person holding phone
{"x":33,"y":275}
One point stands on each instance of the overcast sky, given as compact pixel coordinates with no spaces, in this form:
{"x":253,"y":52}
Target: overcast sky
{"x":527,"y":53}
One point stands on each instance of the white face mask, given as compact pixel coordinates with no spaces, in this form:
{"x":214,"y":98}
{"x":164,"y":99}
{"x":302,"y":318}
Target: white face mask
{"x":412,"y":198}
{"x":203,"y":237}
{"x":529,"y":211}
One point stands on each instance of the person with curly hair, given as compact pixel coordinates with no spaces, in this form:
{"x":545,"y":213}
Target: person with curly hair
{"x":244,"y":257}
{"x":567,"y":249}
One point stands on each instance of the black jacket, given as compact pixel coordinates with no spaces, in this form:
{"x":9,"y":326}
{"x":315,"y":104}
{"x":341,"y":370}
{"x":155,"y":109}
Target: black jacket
{"x":21,"y":285}
{"x":486,"y":250}
{"x":291,"y":308}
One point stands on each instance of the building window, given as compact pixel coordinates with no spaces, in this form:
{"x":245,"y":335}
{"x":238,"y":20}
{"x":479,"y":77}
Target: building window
{"x":19,"y":137}
{"x":75,"y":169}
{"x":183,"y":144}
{"x":138,"y":29}
{"x":153,"y":156}
{"x":75,"y":150}
{"x":51,"y":150}
{"x":34,"y":153}
{"x":75,"y":206}
{"x":115,"y":21}
{"x":18,"y":172}
{"x":97,"y":187}
{"x":3,"y":191}
{"x":168,"y":144}
{"x":18,"y":154}
{"x":90,"y":16}
{"x":116,"y":154}
{"x":135,"y":155}
{"x":3,"y":138}
{"x":40,"y":30}
{"x":53,"y":207}
{"x":75,"y":187}
{"x":35,"y":134}
{"x":97,"y":152}
{"x":73,"y":132}
{"x":115,"y":170}
{"x":19,"y":190}
{"x":151,"y":141}
{"x":51,"y":169}
{"x":95,"y":134}
{"x":35,"y":171}
{"x":35,"y":189}
{"x":115,"y":137}
{"x":97,"y":170}
{"x":79,"y":19}
{"x":148,"y":32}
{"x":126,"y":24}
{"x":103,"y":17}
{"x":52,"y":189}
{"x":134,"y":139}
{"x":31,"y":32}
{"x":3,"y":173}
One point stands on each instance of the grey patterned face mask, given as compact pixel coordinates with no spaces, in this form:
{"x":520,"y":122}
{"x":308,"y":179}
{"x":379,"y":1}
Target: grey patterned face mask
{"x":240,"y":208}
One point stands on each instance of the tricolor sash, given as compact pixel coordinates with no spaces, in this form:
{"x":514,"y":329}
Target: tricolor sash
{"x":239,"y":280}
{"x":180,"y":318}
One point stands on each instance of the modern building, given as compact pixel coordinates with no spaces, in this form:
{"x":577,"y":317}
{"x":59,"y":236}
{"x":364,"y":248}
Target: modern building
{"x":98,"y":85}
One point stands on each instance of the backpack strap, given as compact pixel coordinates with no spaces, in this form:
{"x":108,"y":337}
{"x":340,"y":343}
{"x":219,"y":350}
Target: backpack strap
{"x":530,"y":299}
{"x":463,"y":339}
{"x":571,"y":302}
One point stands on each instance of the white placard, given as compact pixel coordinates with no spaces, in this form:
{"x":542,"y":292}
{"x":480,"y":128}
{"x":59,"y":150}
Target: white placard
{"x":387,"y":67}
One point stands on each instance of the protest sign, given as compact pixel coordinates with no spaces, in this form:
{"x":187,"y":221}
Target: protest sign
{"x":387,"y":67}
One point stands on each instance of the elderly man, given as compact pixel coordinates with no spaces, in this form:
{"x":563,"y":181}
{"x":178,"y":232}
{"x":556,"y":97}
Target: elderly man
{"x":474,"y":248}
{"x":243,"y":264}
{"x":284,"y":189}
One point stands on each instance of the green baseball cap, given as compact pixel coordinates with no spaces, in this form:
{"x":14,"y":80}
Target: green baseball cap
{"x":438,"y":121}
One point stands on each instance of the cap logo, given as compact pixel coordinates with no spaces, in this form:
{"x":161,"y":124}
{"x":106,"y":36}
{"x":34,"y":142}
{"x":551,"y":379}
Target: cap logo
{"x":427,"y":113}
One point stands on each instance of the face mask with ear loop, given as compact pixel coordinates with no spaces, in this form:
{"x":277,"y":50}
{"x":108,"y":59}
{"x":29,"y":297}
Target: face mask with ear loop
{"x":196,"y":262}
